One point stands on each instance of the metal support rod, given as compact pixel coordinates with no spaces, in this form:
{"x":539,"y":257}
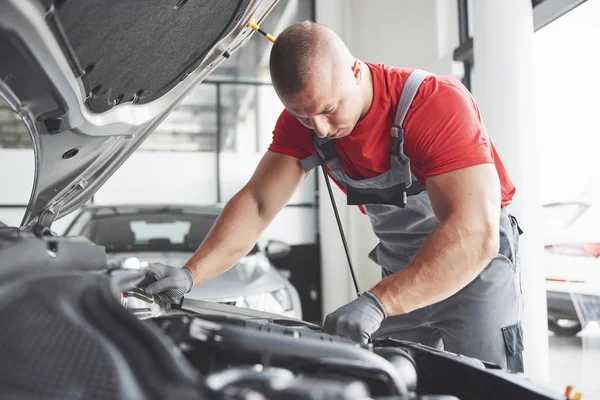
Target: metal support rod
{"x":218,"y":144}
{"x":463,"y":37}
{"x":463,"y":21}
{"x":466,"y":80}
{"x":339,"y":222}
{"x":258,"y":119}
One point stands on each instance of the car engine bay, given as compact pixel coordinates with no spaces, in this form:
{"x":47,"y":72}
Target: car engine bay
{"x":74,"y":328}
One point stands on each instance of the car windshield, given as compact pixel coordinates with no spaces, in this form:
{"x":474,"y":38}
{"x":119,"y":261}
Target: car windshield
{"x":134,"y":230}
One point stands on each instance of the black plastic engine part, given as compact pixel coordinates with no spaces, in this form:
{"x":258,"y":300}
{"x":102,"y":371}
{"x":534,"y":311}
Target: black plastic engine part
{"x":467,"y":378}
{"x":324,"y":388}
{"x":65,"y":334}
{"x":420,"y":397}
{"x":211,"y":346}
{"x":403,"y":362}
{"x":281,"y":384}
{"x":47,"y":252}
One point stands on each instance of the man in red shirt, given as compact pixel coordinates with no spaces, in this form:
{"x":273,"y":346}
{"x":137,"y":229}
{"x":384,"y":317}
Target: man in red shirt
{"x":412,"y":151}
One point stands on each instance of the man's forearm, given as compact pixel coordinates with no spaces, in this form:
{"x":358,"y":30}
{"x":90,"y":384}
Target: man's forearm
{"x":451,"y":257}
{"x":233,"y":235}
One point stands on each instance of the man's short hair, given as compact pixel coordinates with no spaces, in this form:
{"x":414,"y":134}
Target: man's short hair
{"x":291,"y":56}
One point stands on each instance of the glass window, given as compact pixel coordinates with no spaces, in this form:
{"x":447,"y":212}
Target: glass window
{"x":251,"y":61}
{"x":131,"y":229}
{"x":191,"y":126}
{"x":13,"y":133}
{"x":172,"y":231}
{"x":79,"y":223}
{"x":248,"y":115}
{"x":565,"y":90}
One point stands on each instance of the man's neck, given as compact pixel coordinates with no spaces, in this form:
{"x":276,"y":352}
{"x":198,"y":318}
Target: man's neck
{"x":367,"y":89}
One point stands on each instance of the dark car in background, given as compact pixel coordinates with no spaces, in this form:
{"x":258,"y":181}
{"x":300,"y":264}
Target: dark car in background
{"x":137,"y":235}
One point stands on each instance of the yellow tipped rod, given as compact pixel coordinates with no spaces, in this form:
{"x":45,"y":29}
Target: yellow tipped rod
{"x":254,"y":26}
{"x":571,"y":394}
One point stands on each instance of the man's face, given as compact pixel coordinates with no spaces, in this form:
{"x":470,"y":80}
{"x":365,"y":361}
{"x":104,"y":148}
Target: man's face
{"x":329,"y":106}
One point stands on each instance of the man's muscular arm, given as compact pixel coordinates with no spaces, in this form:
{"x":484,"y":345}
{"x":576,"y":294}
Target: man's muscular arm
{"x":467,"y":203}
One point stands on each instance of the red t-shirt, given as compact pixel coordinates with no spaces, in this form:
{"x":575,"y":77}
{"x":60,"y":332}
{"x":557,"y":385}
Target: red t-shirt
{"x":443,"y":131}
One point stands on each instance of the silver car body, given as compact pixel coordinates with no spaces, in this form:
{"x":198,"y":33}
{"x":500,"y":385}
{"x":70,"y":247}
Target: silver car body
{"x":234,"y":286}
{"x":43,"y":79}
{"x":253,"y":282}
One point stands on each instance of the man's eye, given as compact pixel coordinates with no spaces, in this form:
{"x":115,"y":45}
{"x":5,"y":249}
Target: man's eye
{"x":304,"y":120}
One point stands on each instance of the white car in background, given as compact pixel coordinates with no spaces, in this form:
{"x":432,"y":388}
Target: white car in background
{"x":572,"y":266}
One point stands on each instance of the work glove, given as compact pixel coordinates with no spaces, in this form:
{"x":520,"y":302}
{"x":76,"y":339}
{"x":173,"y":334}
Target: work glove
{"x":171,"y":283}
{"x":356,"y":320}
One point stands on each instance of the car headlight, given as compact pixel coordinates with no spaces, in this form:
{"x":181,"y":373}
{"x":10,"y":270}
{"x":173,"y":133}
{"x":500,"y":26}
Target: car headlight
{"x":274,"y":302}
{"x":253,"y":266}
{"x":126,"y":263}
{"x":283,"y":298}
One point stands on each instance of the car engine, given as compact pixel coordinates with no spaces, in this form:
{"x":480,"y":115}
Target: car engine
{"x":253,"y":354}
{"x":75,"y":329}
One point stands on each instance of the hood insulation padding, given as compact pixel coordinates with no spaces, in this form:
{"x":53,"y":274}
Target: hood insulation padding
{"x":137,"y":51}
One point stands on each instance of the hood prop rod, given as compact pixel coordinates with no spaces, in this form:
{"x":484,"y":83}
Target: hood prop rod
{"x":341,"y":229}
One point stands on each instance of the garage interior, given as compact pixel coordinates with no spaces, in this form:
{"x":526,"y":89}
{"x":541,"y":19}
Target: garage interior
{"x":530,"y":65}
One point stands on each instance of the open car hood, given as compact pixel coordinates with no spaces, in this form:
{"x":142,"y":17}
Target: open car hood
{"x":92,"y":79}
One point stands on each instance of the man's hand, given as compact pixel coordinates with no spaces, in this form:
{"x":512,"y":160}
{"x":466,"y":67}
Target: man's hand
{"x":356,"y":320}
{"x":171,"y":283}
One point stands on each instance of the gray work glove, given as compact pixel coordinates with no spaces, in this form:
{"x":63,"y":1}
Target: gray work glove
{"x":356,"y":320}
{"x":171,"y":283}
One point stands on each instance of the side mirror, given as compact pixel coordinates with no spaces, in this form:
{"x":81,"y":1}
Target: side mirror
{"x":277,"y":249}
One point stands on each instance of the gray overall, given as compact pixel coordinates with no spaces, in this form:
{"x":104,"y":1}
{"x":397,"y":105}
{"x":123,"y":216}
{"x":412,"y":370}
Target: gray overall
{"x":483,"y":320}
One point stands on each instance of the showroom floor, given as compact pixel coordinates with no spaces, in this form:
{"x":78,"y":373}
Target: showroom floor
{"x":576,"y":360}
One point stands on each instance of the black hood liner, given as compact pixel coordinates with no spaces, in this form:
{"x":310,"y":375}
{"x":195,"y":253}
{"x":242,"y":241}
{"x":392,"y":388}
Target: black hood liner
{"x":136,"y":51}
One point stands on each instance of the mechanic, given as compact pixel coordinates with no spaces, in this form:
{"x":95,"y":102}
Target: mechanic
{"x":411,"y":150}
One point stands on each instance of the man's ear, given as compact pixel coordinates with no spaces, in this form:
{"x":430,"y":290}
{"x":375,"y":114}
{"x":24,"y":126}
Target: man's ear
{"x":357,"y":71}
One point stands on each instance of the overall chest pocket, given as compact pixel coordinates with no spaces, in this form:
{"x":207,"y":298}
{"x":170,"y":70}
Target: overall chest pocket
{"x":395,"y":195}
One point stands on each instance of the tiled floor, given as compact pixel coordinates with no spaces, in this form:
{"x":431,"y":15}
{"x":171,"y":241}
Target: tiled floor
{"x":576,"y":361}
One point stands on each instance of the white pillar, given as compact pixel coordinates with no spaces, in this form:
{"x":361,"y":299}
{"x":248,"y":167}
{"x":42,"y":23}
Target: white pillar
{"x":503,"y":37}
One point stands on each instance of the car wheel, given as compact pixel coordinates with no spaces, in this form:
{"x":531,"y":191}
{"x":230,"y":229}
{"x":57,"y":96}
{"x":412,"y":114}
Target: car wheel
{"x":564,"y":327}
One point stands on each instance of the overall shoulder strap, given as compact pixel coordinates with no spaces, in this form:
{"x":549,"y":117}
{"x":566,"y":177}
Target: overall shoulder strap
{"x":324,"y":153}
{"x":409,"y":91}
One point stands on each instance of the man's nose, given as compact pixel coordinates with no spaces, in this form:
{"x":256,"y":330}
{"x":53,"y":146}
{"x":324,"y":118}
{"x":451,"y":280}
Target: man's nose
{"x":321,"y":126}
